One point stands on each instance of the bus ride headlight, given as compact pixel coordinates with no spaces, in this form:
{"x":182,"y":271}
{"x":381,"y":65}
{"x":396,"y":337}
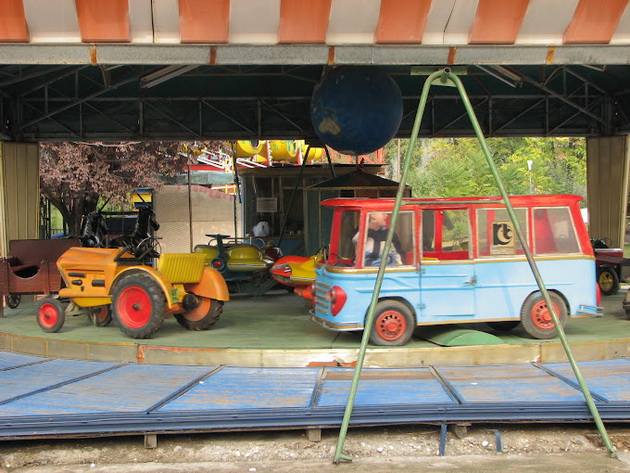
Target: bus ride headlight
{"x":337,"y":298}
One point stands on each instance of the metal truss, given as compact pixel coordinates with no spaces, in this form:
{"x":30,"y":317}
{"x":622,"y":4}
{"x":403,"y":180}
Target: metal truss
{"x":122,"y":102}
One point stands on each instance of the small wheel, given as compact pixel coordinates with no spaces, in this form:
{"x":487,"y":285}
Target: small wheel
{"x":13,"y":300}
{"x":202,"y":317}
{"x":51,"y":315}
{"x":608,"y":280}
{"x":536,"y":319}
{"x":138,"y":305}
{"x":504,"y":326}
{"x":393,"y":323}
{"x":100,"y":316}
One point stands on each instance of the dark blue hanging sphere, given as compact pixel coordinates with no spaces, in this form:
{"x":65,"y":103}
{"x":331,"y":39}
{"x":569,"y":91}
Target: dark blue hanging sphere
{"x":356,"y":110}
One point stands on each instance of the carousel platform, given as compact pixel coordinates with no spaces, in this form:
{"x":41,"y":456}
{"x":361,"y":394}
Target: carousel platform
{"x":266,"y":366}
{"x":275,"y":331}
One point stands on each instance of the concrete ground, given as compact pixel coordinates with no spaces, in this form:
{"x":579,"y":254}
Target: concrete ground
{"x":580,"y":463}
{"x":405,"y":449}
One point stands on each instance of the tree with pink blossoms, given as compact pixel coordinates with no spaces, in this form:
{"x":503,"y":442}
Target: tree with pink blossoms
{"x":75,"y":177}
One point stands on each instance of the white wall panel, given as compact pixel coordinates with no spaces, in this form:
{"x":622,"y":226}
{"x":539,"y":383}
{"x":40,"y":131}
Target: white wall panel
{"x":166,"y":21}
{"x":52,"y":21}
{"x":460,"y":22}
{"x":353,"y":21}
{"x":622,"y":33}
{"x":141,"y":21}
{"x":546,"y":21}
{"x":254,"y":21}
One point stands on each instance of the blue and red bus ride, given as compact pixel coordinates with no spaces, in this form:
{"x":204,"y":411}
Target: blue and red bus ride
{"x":455,"y":260}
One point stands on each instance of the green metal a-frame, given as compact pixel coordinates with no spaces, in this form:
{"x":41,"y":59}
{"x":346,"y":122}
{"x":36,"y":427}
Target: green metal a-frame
{"x":448,"y":77}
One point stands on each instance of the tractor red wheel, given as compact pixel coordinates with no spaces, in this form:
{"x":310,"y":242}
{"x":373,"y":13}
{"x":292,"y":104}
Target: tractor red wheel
{"x":100,"y":316}
{"x":393,"y":323}
{"x":202,"y":317}
{"x":536,"y":318}
{"x":51,"y":315}
{"x":138,"y":305}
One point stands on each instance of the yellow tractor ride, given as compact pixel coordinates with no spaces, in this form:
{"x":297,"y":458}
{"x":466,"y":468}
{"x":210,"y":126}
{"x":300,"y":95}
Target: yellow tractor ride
{"x":114,"y":282}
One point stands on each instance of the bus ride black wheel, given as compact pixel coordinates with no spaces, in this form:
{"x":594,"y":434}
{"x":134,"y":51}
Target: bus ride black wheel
{"x":393,"y":323}
{"x":608,"y":280}
{"x":13,"y":300}
{"x":100,"y":316}
{"x":51,"y":315}
{"x":203,"y":317}
{"x":536,"y":319}
{"x":138,"y":305}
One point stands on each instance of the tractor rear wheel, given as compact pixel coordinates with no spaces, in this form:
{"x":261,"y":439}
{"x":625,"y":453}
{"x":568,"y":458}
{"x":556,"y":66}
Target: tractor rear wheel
{"x":138,"y":305}
{"x":100,"y":316}
{"x":202,"y":317}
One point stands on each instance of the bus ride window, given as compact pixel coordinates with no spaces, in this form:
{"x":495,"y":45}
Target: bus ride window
{"x":428,"y":230}
{"x":554,"y":231}
{"x":496,"y":237}
{"x":405,"y":233}
{"x":455,"y":230}
{"x":349,"y":228}
{"x":377,"y":225}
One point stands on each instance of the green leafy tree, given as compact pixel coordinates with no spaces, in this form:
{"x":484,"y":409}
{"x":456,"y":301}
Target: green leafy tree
{"x":457,"y":167}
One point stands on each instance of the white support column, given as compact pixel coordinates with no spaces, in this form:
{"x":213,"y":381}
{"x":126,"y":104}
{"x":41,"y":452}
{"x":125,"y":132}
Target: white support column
{"x":19,"y":196}
{"x":607,"y":175}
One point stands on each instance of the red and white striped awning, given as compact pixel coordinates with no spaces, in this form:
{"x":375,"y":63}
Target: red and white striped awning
{"x":446,"y":23}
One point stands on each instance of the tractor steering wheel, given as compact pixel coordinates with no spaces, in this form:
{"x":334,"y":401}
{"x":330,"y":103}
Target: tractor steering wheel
{"x":148,"y":247}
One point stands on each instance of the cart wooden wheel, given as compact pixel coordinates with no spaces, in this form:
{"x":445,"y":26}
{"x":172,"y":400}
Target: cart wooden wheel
{"x":51,"y":315}
{"x":100,"y":316}
{"x":203,"y":317}
{"x":536,"y":319}
{"x":138,"y":305}
{"x":13,"y":300}
{"x":393,"y":323}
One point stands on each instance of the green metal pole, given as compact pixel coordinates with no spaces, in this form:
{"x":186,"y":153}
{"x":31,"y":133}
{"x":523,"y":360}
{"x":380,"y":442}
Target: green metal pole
{"x":534,"y":267}
{"x":369,"y":319}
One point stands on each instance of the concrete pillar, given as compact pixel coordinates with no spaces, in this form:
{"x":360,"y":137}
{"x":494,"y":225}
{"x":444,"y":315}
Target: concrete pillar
{"x":19,"y":192}
{"x":607,"y":175}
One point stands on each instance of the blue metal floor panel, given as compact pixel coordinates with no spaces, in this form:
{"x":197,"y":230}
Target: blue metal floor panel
{"x":263,"y":388}
{"x":384,"y":387}
{"x":609,"y":381}
{"x":35,"y":377}
{"x":44,"y":397}
{"x":125,"y":388}
{"x":11,"y":360}
{"x":512,"y":384}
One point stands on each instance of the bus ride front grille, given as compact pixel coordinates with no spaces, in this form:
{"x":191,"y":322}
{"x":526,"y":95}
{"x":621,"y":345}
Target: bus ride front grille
{"x":321,"y":304}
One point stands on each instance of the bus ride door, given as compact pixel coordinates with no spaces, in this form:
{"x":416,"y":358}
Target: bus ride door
{"x":447,"y":272}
